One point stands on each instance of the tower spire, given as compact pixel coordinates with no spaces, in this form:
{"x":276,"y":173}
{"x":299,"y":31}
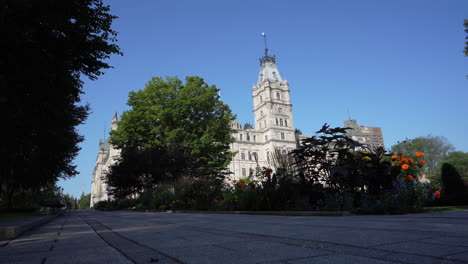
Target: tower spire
{"x":266,"y":47}
{"x":266,"y":57}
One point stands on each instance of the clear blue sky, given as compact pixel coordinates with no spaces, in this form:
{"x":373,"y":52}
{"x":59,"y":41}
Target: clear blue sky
{"x":394,"y":64}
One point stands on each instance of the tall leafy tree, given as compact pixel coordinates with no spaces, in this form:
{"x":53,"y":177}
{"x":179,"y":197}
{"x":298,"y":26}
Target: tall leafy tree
{"x":176,"y":129}
{"x":47,"y":46}
{"x":435,"y":149}
{"x":84,"y":201}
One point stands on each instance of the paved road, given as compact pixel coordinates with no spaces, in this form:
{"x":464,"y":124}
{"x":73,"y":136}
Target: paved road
{"x":138,"y":237}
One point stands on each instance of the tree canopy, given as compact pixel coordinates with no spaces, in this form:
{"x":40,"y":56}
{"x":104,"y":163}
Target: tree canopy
{"x":176,"y":129}
{"x":47,"y":47}
{"x":435,"y":148}
{"x":459,"y":160}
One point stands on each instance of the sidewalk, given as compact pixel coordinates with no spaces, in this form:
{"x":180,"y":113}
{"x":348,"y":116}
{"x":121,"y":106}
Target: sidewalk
{"x":11,"y":229}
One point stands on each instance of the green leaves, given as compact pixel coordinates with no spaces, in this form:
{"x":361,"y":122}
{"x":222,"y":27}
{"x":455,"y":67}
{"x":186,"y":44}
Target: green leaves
{"x":49,"y":46}
{"x":189,"y":117}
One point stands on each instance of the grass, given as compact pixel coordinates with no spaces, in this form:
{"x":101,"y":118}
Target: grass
{"x":17,"y":215}
{"x":444,"y":209}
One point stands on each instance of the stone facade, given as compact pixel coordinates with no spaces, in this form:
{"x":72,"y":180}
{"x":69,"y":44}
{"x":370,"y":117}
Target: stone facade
{"x":105,"y":158}
{"x":273,"y":129}
{"x":274,"y":126}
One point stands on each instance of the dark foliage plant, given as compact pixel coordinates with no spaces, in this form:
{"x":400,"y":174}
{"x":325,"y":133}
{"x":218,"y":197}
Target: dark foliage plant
{"x":47,"y":47}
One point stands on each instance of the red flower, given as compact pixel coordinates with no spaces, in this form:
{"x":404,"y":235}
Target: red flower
{"x":421,"y":163}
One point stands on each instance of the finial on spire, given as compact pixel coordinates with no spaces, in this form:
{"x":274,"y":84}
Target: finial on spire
{"x":266,"y":57}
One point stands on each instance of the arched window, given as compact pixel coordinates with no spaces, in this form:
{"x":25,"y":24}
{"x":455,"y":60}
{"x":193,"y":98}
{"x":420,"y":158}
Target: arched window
{"x":281,"y":121}
{"x":278,"y":96}
{"x":276,"y":121}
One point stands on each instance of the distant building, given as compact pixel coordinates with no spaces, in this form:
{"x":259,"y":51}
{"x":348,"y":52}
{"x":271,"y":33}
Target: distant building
{"x":106,"y":157}
{"x":370,"y":136}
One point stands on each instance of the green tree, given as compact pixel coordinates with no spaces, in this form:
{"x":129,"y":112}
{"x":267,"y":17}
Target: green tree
{"x":435,"y":149}
{"x":47,"y":47}
{"x":84,"y":201}
{"x":459,"y":160}
{"x":69,"y":201}
{"x":179,"y":129}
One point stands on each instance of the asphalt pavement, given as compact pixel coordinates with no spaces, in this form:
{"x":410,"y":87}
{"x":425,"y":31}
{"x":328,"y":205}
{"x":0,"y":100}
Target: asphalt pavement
{"x":150,"y":237}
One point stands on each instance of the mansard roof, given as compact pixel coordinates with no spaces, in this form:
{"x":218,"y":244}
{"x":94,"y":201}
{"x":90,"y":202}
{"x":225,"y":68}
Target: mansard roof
{"x":268,"y":69}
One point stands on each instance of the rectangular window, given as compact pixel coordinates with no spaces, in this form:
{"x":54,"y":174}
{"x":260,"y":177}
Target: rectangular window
{"x":243,"y":172}
{"x":240,"y":136}
{"x":255,"y":138}
{"x":266,"y":138}
{"x":242,"y":156}
{"x":282,"y":135}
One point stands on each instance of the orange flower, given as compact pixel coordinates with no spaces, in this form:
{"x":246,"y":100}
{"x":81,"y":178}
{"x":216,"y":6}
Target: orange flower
{"x":419,"y":154}
{"x":410,"y":160}
{"x":421,"y":163}
{"x":437,"y":194}
{"x":393,"y":165}
{"x":403,"y":159}
{"x":409,"y":177}
{"x":394,"y":157}
{"x":405,"y":166}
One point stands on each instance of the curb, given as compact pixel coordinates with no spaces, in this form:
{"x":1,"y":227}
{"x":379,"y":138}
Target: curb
{"x":13,"y":231}
{"x":277,"y":213}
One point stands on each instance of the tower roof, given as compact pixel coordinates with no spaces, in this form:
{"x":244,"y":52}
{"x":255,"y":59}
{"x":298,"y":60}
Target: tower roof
{"x":268,"y":69}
